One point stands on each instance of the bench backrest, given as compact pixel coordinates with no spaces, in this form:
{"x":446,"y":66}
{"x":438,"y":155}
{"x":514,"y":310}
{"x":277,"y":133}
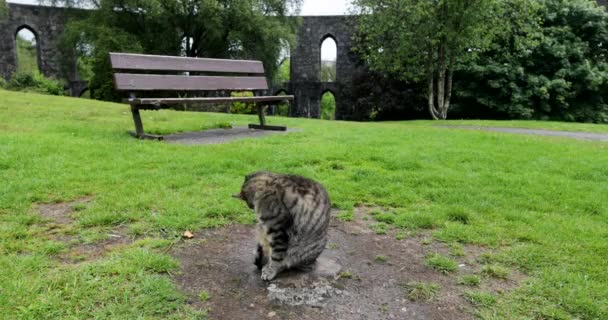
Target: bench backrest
{"x":136,"y":72}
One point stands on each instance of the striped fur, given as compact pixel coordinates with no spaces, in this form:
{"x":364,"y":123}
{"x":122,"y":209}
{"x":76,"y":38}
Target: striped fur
{"x":293,"y":216}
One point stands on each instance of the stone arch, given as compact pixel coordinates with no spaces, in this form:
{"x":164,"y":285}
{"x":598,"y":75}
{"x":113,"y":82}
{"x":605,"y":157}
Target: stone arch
{"x":84,"y":91}
{"x":36,"y":43}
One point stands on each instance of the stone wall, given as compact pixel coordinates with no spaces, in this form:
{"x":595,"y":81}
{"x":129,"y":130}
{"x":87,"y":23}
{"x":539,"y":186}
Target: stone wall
{"x":47,"y":25}
{"x":305,"y":81}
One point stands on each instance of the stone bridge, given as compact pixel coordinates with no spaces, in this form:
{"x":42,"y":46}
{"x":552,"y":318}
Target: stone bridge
{"x":47,"y":23}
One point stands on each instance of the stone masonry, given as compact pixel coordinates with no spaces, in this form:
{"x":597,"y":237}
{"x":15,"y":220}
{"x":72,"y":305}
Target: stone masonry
{"x":47,"y":24}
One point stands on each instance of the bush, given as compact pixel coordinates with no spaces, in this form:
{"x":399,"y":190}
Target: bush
{"x":35,"y":82}
{"x":242,"y":107}
{"x":555,"y":69}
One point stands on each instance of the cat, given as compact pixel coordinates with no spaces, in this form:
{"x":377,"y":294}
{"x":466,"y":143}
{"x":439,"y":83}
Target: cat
{"x":293,"y":215}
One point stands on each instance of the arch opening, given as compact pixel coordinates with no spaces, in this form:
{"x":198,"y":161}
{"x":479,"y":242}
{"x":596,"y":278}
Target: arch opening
{"x":26,"y":42}
{"x":283,"y":71}
{"x":329,"y":58}
{"x":282,"y":109}
{"x":85,"y":94}
{"x":328,"y":105}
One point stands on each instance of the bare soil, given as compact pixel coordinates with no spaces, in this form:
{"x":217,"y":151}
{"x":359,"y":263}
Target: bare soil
{"x":217,"y":136}
{"x":58,"y":226}
{"x":348,"y":282}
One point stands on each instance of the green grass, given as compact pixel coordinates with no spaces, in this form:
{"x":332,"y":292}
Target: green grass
{"x":204,"y":296}
{"x":441,"y":263}
{"x":469,"y":280}
{"x":422,"y":291}
{"x":381,"y":259}
{"x":538,"y":203}
{"x":495,"y":271}
{"x":526,"y":124}
{"x":480,"y":298}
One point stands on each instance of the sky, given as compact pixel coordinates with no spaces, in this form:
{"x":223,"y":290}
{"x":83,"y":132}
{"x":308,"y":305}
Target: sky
{"x":309,"y":8}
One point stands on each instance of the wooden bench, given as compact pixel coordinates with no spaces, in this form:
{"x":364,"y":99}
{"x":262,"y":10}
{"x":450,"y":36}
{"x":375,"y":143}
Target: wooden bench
{"x":140,"y":74}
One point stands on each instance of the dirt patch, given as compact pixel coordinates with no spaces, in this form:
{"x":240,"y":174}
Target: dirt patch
{"x":80,"y":251}
{"x":538,"y":132}
{"x":61,"y":212}
{"x":59,"y":226}
{"x":348,"y":282}
{"x":217,"y":136}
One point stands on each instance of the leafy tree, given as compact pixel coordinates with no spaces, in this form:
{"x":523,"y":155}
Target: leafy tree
{"x":428,"y":40}
{"x":244,"y":29}
{"x":27,"y":56}
{"x":553,"y":67}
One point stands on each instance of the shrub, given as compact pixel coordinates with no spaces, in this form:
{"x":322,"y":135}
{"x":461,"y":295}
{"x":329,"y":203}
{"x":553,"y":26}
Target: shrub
{"x":35,"y":82}
{"x":242,"y":107}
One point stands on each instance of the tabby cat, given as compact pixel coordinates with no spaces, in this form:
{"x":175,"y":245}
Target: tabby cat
{"x":293,"y":216}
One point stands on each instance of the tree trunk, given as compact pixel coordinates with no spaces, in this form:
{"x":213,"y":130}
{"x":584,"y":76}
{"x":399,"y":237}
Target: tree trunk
{"x":431,"y":87}
{"x":441,"y":82}
{"x":448,"y":93}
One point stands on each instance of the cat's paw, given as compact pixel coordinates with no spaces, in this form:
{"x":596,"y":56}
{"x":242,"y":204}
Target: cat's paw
{"x":268,"y":273}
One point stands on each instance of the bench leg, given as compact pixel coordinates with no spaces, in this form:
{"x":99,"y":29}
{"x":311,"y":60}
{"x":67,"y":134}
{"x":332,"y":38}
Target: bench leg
{"x":139,"y":127}
{"x":262,"y":125}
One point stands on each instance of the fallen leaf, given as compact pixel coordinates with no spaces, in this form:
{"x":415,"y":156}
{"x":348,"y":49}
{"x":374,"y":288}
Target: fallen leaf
{"x":188,"y":234}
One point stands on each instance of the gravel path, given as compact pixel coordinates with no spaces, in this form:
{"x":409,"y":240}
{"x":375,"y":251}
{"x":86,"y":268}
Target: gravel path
{"x":555,"y":133}
{"x":217,"y":136}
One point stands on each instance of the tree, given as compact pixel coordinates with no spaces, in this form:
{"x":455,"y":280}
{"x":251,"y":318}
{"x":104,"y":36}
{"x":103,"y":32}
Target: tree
{"x":429,"y":39}
{"x":244,"y":29}
{"x":553,"y":67}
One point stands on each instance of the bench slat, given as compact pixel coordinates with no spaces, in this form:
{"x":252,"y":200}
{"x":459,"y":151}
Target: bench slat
{"x":127,"y":61}
{"x":158,"y":101}
{"x":148,"y":82}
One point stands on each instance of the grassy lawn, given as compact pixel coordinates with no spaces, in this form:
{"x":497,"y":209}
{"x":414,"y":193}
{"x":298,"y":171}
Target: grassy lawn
{"x":528,"y":124}
{"x":538,"y":203}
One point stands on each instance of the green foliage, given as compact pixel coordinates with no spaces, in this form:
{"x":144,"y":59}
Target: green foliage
{"x":441,"y":263}
{"x":328,"y":106}
{"x":27,"y":56}
{"x":552,"y":66}
{"x":425,"y":40}
{"x":422,"y":291}
{"x":328,"y":71}
{"x":243,"y":107}
{"x":35,"y":82}
{"x":3,"y":10}
{"x":283,"y":73}
{"x":248,"y":29}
